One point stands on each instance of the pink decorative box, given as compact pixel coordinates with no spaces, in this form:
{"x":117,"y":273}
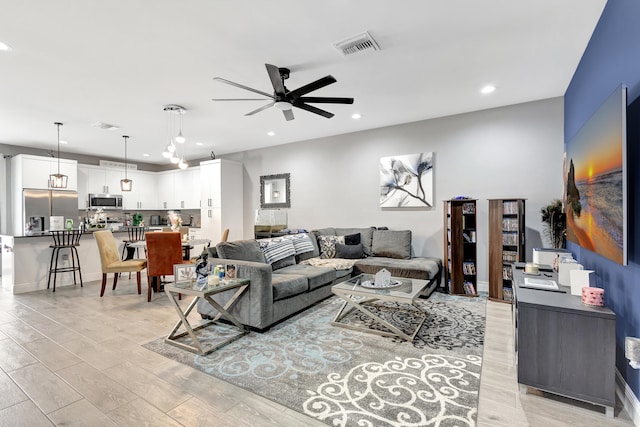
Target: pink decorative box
{"x":593,"y":296}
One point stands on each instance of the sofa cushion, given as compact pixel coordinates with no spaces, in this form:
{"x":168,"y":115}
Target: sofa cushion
{"x":349,"y":251}
{"x":276,"y":249}
{"x":317,"y":276}
{"x":245,"y":250}
{"x":425,"y":268}
{"x":392,"y":244}
{"x":366,"y":236}
{"x":329,"y":231}
{"x":288,"y":285}
{"x":285,"y":262}
{"x":327,"y":245}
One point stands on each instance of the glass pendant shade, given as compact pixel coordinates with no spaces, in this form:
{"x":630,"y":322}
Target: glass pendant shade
{"x":183,"y":164}
{"x":180,"y":139}
{"x":125,"y":184}
{"x":58,"y":180}
{"x":174,"y":159}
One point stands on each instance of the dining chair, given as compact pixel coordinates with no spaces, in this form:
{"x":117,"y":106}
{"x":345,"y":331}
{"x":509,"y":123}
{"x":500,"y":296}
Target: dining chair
{"x":111,"y":262}
{"x":164,"y":249}
{"x":225,"y":235}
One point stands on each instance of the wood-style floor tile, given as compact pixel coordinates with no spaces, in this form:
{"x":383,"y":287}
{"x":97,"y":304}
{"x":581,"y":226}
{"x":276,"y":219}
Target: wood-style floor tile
{"x":20,"y":331}
{"x":13,"y":357}
{"x":51,"y":354}
{"x":103,"y":392}
{"x":10,"y":393}
{"x":44,"y":388}
{"x":81,"y":414}
{"x":141,"y":413}
{"x":25,"y":414}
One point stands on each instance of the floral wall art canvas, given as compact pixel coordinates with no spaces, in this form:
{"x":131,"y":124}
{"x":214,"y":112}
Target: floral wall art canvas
{"x":406,"y":181}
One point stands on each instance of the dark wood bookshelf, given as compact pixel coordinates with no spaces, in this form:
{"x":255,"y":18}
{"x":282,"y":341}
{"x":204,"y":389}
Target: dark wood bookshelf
{"x":506,"y":245}
{"x":460,"y":247}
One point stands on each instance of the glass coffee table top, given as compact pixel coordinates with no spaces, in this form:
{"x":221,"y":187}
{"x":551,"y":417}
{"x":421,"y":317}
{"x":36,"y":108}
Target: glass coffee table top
{"x":409,"y":289}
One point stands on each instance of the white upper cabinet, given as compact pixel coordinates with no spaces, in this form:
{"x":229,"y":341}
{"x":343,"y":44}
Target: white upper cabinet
{"x":33,"y":171}
{"x":143,"y":192}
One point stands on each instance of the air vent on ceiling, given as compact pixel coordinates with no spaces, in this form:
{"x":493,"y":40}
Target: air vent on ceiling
{"x":359,"y":43}
{"x":105,"y":126}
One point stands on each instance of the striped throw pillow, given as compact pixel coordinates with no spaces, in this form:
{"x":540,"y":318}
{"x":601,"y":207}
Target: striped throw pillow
{"x":276,"y":249}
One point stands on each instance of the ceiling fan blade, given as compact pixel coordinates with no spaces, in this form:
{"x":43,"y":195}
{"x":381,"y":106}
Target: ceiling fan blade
{"x":238,"y":99}
{"x":276,"y":80}
{"x":229,"y":82}
{"x":320,"y":83}
{"x":288,"y":114}
{"x":313,"y":109}
{"x":325,"y":100}
{"x":257,"y":110}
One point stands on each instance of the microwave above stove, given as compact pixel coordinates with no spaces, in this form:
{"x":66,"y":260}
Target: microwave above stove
{"x":105,"y":201}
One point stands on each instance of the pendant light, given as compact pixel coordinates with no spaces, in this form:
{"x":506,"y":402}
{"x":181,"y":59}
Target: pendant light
{"x":58,"y":180}
{"x":171,"y":151}
{"x":125,"y":184}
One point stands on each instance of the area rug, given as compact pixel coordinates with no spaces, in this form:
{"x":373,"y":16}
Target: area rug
{"x":352,"y":378}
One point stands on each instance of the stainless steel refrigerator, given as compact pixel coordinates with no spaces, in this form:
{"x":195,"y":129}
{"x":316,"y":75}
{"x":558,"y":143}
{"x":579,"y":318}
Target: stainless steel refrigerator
{"x":40,"y":205}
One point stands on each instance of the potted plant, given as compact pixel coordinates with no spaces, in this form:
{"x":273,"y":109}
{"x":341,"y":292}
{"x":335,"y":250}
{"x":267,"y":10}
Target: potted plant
{"x":555,"y":223}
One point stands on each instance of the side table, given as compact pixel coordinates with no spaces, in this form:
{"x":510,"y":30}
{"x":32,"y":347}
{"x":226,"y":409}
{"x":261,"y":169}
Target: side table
{"x":191,"y":288}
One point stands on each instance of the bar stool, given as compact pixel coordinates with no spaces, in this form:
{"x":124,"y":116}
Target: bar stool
{"x":136,"y":234}
{"x":65,"y":239}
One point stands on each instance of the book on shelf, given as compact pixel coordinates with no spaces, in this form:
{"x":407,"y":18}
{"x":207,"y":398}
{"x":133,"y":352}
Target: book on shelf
{"x":507,"y":273}
{"x":510,"y":239}
{"x":509,"y":224}
{"x":468,"y":268}
{"x":509,"y":208}
{"x":468,"y":288}
{"x":468,"y":208}
{"x":507,"y":294}
{"x":509,"y":256}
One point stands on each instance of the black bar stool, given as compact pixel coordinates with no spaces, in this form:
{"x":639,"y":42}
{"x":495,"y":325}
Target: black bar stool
{"x":65,"y":239}
{"x":136,"y":234}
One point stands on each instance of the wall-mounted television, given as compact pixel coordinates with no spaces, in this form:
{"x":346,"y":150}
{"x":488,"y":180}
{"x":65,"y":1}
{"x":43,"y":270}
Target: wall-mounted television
{"x":596,"y":181}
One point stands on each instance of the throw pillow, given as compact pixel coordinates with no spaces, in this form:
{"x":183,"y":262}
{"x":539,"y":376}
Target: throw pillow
{"x":392,"y":243}
{"x":349,"y":251}
{"x":352,"y":239}
{"x":301,"y":243}
{"x":327,"y":245}
{"x":276,"y":249}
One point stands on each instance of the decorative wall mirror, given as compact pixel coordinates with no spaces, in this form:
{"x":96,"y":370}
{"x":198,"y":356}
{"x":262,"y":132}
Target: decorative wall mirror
{"x":274,"y":191}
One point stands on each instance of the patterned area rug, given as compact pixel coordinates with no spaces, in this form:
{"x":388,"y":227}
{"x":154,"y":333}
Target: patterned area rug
{"x":351,"y":378}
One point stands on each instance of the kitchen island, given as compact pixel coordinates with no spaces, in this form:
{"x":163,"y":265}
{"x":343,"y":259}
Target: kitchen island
{"x":25,"y":261}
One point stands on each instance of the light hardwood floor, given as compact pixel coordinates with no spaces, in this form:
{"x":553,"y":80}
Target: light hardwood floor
{"x":72,"y":358}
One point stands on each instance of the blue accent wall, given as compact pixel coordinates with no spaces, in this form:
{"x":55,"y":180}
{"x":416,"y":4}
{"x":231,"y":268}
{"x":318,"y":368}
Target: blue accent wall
{"x":612,"y":57}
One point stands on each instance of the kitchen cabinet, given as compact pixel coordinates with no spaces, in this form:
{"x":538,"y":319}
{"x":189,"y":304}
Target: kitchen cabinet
{"x":179,"y":189}
{"x":83,"y":187}
{"x":143,"y":195}
{"x":104,"y":180}
{"x":221,"y":199}
{"x":166,"y":194}
{"x":33,"y":171}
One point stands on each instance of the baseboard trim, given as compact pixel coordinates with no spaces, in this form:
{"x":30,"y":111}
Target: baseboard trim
{"x":482,"y":287}
{"x":629,"y":400}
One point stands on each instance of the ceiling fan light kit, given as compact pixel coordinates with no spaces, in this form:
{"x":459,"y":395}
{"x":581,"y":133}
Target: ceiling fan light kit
{"x":284,"y":99}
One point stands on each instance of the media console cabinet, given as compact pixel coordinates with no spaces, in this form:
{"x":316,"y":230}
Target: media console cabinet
{"x":563,"y":346}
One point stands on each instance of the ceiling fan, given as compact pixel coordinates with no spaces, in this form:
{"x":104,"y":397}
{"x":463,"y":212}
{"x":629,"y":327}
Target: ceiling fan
{"x":284,"y":99}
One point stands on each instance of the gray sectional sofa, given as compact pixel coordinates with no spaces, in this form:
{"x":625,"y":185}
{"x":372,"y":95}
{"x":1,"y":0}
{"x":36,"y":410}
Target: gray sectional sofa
{"x":291,"y":284}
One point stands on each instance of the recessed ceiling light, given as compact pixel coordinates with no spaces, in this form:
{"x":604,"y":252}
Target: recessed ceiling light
{"x":145,"y":155}
{"x":4,"y":46}
{"x":356,"y":116}
{"x":64,"y":142}
{"x":199,"y":144}
{"x":487,"y":89}
{"x":271,"y":133}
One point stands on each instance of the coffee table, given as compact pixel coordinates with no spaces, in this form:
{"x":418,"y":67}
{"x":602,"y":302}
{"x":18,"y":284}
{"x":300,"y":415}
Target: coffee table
{"x":192,"y":288}
{"x":355,"y":296}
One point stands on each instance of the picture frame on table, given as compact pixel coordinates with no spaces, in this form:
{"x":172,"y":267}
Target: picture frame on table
{"x":184,"y":272}
{"x":230,"y":271}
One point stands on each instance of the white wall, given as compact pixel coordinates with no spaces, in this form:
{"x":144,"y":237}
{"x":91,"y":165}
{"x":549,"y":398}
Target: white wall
{"x":513,"y":151}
